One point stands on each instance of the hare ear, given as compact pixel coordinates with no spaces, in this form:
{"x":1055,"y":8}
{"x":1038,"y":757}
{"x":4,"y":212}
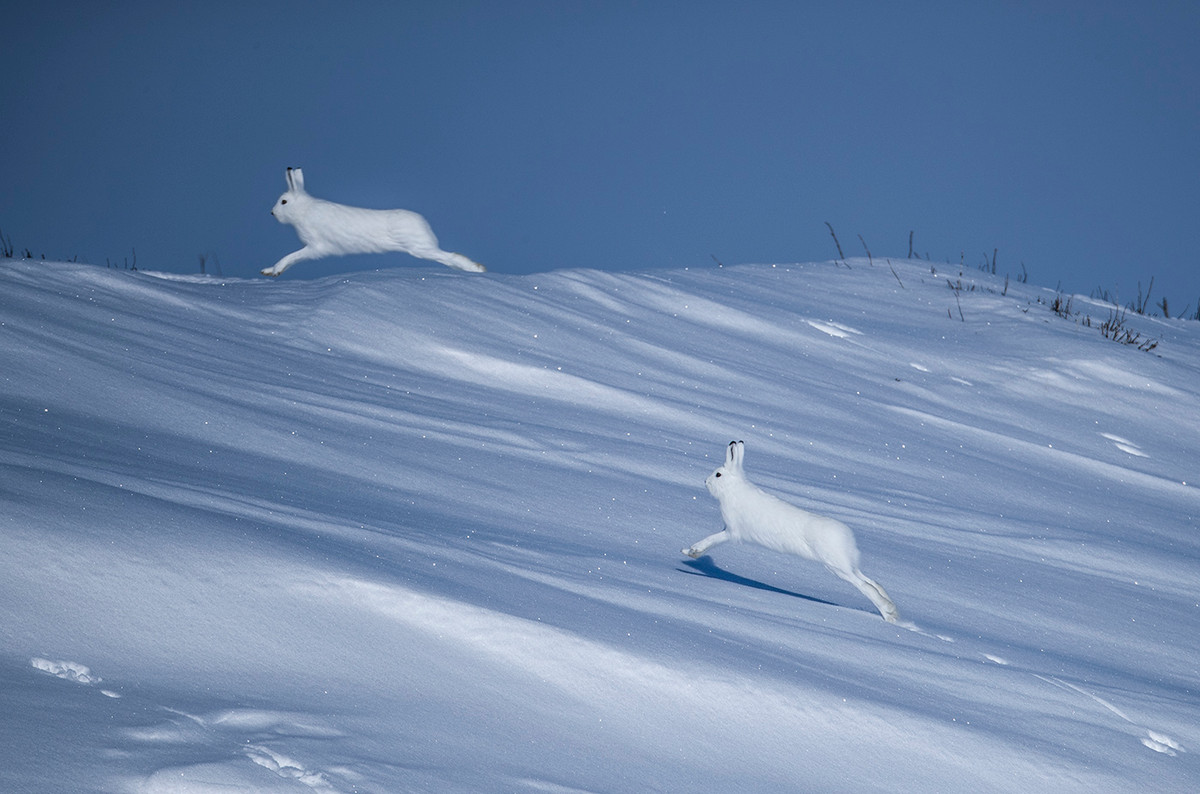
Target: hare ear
{"x":737,"y":449}
{"x":288,"y":176}
{"x":730,"y":452}
{"x":297,"y":179}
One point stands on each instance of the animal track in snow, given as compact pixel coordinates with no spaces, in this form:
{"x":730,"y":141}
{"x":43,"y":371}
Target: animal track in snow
{"x":913,"y":627}
{"x":927,"y":370}
{"x":834,"y":329}
{"x":220,"y":743}
{"x":287,"y":768}
{"x":1158,"y":742}
{"x":237,"y":735}
{"x":1161,"y":744}
{"x":70,"y":671}
{"x":1125,"y":445}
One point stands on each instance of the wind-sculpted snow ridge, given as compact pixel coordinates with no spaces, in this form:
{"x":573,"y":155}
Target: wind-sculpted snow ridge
{"x":409,"y":531}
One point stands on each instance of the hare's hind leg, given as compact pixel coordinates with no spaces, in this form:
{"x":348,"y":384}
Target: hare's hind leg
{"x":702,"y":546}
{"x":873,"y":591}
{"x":448,"y":258}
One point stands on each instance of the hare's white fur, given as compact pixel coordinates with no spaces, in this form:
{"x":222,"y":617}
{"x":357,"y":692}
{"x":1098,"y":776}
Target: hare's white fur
{"x":329,"y":229}
{"x":752,"y":515}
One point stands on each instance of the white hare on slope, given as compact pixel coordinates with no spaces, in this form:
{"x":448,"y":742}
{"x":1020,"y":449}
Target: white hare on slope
{"x":329,"y":229}
{"x":753,"y":516}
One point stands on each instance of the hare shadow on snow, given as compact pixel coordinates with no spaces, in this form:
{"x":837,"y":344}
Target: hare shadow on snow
{"x":705,"y":566}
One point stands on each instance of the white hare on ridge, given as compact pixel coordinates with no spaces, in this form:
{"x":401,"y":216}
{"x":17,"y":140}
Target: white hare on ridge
{"x":329,"y":229}
{"x":752,"y":515}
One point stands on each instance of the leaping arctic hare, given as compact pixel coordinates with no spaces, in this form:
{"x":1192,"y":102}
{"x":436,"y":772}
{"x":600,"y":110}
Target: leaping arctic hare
{"x":329,"y":229}
{"x":752,"y":515}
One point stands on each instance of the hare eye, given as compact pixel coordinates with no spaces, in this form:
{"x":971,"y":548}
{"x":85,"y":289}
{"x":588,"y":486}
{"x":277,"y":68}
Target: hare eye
{"x":283,"y":201}
{"x":718,"y":474}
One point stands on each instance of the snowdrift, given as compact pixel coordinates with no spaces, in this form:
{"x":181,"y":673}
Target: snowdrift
{"x":414,"y":531}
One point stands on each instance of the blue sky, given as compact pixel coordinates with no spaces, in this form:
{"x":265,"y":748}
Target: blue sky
{"x":629,"y":135}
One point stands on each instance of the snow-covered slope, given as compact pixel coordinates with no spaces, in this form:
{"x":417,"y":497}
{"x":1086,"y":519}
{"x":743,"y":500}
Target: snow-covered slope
{"x":419,"y":531}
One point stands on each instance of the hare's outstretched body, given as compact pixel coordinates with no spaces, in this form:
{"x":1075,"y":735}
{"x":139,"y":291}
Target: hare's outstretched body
{"x":753,"y":516}
{"x":329,"y":229}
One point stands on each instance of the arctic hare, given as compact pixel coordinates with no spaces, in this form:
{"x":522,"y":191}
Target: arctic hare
{"x":329,"y":229}
{"x":753,"y":516}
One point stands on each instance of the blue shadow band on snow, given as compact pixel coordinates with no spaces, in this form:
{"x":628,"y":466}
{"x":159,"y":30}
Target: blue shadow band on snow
{"x":706,"y":567}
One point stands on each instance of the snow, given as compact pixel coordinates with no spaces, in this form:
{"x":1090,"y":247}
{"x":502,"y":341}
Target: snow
{"x":412,"y":530}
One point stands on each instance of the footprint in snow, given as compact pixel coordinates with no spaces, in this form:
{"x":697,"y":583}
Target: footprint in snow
{"x":1125,"y":445}
{"x":243,"y":732}
{"x":834,"y":329}
{"x":1158,"y":742}
{"x":237,"y":735}
{"x":70,"y":671}
{"x":1161,"y":744}
{"x":925,"y":369}
{"x":913,"y":627}
{"x":287,"y":768}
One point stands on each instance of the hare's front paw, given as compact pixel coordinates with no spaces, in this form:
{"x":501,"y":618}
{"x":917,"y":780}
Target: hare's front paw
{"x":693,"y":553}
{"x":269,"y":271}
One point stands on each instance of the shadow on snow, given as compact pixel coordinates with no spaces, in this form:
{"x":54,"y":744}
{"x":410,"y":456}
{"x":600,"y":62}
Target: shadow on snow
{"x":706,"y":567}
